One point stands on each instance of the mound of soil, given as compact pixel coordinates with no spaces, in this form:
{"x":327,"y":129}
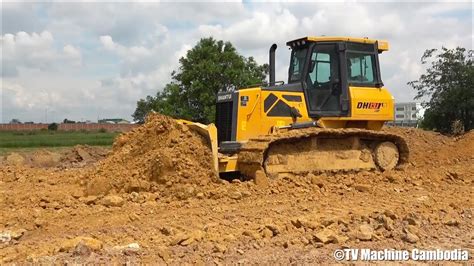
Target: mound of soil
{"x":45,"y":158}
{"x":81,"y":155}
{"x":162,"y":155}
{"x":433,"y":148}
{"x":45,"y":217}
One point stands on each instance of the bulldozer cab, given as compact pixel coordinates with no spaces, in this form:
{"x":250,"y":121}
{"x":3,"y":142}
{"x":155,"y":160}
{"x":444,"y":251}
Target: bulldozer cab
{"x":327,"y":66}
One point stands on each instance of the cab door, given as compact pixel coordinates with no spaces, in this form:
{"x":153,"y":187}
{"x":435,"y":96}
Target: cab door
{"x":323,"y":83}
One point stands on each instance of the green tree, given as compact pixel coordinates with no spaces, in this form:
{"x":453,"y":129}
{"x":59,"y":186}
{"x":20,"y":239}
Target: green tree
{"x":209,"y":67}
{"x":448,"y":88}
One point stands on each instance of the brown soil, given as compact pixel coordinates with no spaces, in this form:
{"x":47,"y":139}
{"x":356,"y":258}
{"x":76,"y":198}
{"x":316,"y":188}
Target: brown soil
{"x":82,"y":155}
{"x":78,"y":156}
{"x":156,"y":189}
{"x":161,"y":156}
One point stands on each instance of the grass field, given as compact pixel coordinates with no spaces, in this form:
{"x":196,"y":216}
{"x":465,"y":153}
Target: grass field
{"x":34,"y":139}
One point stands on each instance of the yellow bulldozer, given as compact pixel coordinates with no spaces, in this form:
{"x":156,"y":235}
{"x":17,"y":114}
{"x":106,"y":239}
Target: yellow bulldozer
{"x":327,"y":117}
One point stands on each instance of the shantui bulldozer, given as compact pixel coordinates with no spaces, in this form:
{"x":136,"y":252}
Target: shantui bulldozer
{"x":327,"y":117}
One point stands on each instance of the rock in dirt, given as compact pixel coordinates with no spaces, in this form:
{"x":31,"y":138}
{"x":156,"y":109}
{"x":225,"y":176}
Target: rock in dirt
{"x":412,"y":219}
{"x":251,"y":234}
{"x":388,"y":223}
{"x":219,"y":248}
{"x":326,"y":236}
{"x":410,"y":237}
{"x":81,"y":250}
{"x":5,"y":237}
{"x":130,"y":249}
{"x":40,"y":222}
{"x":98,"y":186}
{"x":362,"y":188}
{"x":89,"y":200}
{"x":9,"y":235}
{"x":274,"y":229}
{"x":390,"y":214}
{"x":17,"y":234}
{"x":112,"y":201}
{"x":235,"y":195}
{"x":186,"y":239}
{"x":317,"y":180}
{"x":164,"y":253}
{"x":167,"y":231}
{"x":90,"y":243}
{"x":305,"y":223}
{"x":261,"y":179}
{"x":450,"y":221}
{"x":266,"y":233}
{"x":365,"y":232}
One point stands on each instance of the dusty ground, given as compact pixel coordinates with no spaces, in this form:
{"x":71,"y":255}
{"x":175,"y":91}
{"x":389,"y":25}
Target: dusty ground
{"x":58,"y":212}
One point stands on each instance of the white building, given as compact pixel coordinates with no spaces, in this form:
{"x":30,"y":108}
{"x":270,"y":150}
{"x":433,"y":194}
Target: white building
{"x":408,"y":114}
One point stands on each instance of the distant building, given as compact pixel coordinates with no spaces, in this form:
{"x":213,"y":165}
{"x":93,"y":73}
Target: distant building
{"x":408,"y":114}
{"x":113,"y":121}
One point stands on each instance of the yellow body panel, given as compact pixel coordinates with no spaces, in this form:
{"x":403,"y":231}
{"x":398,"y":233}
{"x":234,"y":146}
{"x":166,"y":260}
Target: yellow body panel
{"x":228,"y":164}
{"x":371,"y":104}
{"x":370,"y":108}
{"x":252,"y":121}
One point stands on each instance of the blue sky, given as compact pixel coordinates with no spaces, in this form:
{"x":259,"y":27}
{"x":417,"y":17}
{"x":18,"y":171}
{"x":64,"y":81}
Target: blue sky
{"x":84,"y":61}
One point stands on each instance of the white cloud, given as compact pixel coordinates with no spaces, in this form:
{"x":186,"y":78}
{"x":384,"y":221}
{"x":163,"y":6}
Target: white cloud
{"x":257,"y":30}
{"x":97,"y":59}
{"x":36,"y":51}
{"x":107,"y":42}
{"x":131,"y":54}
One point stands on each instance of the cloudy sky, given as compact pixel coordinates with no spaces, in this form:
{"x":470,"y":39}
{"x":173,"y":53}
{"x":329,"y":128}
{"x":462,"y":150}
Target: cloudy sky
{"x":85,"y":60}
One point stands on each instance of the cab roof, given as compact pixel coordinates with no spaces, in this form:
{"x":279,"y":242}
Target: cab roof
{"x":382,"y":45}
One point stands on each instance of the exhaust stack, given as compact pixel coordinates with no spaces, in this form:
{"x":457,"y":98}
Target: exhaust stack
{"x":272,"y":64}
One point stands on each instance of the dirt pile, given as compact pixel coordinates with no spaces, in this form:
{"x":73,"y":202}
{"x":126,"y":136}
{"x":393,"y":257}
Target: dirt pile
{"x":81,"y":155}
{"x":162,"y":155}
{"x":64,"y":157}
{"x":39,"y":158}
{"x":432,"y":148}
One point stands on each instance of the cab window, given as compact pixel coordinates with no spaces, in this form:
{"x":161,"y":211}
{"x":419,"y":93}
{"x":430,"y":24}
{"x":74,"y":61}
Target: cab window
{"x":298,"y":58}
{"x":321,"y":67}
{"x":360,"y":68}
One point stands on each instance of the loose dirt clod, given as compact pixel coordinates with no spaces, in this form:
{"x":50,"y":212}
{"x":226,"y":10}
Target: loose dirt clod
{"x":81,"y":155}
{"x":15,"y":159}
{"x":162,"y":155}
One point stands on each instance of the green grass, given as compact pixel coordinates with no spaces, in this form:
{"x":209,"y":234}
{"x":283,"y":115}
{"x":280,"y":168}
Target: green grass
{"x":35,"y":139}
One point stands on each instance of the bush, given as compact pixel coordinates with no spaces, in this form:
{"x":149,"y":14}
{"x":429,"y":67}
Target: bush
{"x":53,"y":127}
